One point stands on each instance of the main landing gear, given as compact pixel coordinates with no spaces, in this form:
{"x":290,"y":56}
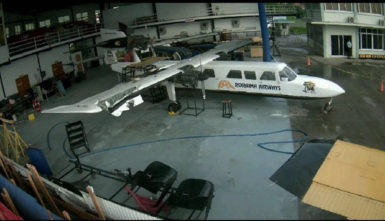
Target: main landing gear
{"x":328,"y":106}
{"x":174,"y":107}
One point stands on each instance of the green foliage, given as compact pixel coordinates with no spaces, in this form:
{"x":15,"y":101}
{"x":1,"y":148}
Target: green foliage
{"x":298,"y":30}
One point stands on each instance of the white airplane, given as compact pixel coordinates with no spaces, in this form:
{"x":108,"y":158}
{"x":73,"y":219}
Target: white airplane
{"x":265,"y":78}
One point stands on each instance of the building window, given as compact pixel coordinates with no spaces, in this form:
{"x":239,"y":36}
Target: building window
{"x":234,"y":74}
{"x":29,"y":27}
{"x":64,"y":19}
{"x":338,"y":6}
{"x":97,"y":16}
{"x":331,"y":6}
{"x":364,"y":7}
{"x":17,"y":29}
{"x":374,"y":8}
{"x":82,"y":16}
{"x":345,"y":6}
{"x":250,"y":75}
{"x":268,"y":76}
{"x":7,"y":32}
{"x":371,"y":38}
{"x":45,"y":23}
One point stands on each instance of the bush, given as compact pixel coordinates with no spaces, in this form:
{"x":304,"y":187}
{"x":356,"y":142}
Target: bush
{"x":298,"y":30}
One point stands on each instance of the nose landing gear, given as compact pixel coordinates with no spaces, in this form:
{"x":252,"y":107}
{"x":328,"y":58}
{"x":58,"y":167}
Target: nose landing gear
{"x":328,"y":106}
{"x":174,"y":107}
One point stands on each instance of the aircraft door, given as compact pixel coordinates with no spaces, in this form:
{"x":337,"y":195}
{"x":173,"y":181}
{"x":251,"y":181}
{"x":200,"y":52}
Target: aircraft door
{"x":269,"y":83}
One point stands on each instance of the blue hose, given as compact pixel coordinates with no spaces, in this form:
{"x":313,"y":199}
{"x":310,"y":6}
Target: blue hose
{"x":65,"y":139}
{"x":260,"y":145}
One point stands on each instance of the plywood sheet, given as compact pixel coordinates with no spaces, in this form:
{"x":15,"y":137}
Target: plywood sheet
{"x":355,"y":169}
{"x":347,"y":204}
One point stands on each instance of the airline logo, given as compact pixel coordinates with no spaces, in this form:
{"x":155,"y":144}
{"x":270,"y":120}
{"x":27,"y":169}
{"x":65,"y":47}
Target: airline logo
{"x":226,"y":84}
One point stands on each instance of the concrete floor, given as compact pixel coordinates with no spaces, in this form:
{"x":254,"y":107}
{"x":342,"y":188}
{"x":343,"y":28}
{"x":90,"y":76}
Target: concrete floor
{"x":239,"y":169}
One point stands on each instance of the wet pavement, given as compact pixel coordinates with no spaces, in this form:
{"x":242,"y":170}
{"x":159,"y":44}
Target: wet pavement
{"x":358,"y":115}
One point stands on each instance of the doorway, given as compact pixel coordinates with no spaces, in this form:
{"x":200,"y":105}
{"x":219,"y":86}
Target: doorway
{"x":340,"y":45}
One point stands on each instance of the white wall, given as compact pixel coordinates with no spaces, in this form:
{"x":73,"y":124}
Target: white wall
{"x":244,"y":23}
{"x":371,"y":19}
{"x":4,"y":52}
{"x":339,"y":30}
{"x":192,"y":28}
{"x":234,"y":8}
{"x":167,"y":11}
{"x":126,"y":14}
{"x":337,"y":16}
{"x":29,"y":65}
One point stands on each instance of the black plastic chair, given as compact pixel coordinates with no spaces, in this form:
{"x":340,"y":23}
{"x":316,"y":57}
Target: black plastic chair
{"x":194,"y":194}
{"x":156,"y":177}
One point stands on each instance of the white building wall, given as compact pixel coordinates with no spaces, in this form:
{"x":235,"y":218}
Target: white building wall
{"x":339,"y":30}
{"x":337,"y":16}
{"x":126,"y":14}
{"x":29,"y":65}
{"x":192,"y":28}
{"x":370,"y":19}
{"x":244,"y":23}
{"x":168,"y":11}
{"x":234,"y":8}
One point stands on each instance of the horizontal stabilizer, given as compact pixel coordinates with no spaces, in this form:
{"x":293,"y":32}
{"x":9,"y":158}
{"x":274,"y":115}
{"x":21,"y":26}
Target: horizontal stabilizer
{"x":74,"y":108}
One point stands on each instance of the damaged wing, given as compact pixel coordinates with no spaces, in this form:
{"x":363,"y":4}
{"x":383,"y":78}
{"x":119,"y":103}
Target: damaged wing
{"x":124,"y":96}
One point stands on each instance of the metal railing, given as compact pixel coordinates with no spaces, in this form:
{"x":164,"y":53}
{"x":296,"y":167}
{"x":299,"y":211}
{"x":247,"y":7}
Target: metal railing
{"x":50,"y":39}
{"x":280,"y":9}
{"x":271,"y":9}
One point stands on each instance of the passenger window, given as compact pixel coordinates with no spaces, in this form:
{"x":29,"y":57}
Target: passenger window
{"x":250,"y":75}
{"x":268,"y":76}
{"x":234,"y":74}
{"x":209,"y":73}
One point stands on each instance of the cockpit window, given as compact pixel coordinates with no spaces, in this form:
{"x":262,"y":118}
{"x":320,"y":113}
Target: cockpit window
{"x":287,"y":73}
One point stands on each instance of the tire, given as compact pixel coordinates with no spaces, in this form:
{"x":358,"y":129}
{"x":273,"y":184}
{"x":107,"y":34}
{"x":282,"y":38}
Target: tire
{"x":173,"y":107}
{"x":327,"y":108}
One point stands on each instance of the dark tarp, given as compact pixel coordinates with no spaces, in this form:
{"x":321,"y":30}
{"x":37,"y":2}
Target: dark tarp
{"x":297,"y":173}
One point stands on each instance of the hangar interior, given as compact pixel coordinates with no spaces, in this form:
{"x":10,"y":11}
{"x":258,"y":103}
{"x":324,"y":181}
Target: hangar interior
{"x":117,"y":110}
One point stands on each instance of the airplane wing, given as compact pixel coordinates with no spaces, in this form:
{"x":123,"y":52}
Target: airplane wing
{"x":124,"y":96}
{"x":174,"y":40}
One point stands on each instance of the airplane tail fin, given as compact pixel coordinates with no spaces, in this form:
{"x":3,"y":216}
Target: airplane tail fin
{"x":135,"y":57}
{"x":110,"y":56}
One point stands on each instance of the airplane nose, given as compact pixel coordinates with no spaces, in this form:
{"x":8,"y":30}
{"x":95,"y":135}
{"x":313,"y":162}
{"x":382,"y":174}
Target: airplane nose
{"x":337,"y":89}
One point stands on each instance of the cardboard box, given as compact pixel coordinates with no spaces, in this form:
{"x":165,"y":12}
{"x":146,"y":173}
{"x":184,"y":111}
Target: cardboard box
{"x":350,"y":182}
{"x":257,"y":40}
{"x":256,"y":51}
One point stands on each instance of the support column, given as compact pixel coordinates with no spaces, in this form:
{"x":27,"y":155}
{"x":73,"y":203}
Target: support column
{"x":264,"y":32}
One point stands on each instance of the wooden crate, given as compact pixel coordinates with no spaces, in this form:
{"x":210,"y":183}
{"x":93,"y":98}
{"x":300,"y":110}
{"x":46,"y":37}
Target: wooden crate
{"x":256,"y":51}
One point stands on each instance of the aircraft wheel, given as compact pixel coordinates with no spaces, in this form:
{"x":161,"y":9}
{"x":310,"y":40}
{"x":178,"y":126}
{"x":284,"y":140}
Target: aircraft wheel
{"x":173,"y":107}
{"x":328,"y":107}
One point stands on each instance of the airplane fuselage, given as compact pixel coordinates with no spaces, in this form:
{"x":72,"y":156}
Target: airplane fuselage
{"x":265,"y":78}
